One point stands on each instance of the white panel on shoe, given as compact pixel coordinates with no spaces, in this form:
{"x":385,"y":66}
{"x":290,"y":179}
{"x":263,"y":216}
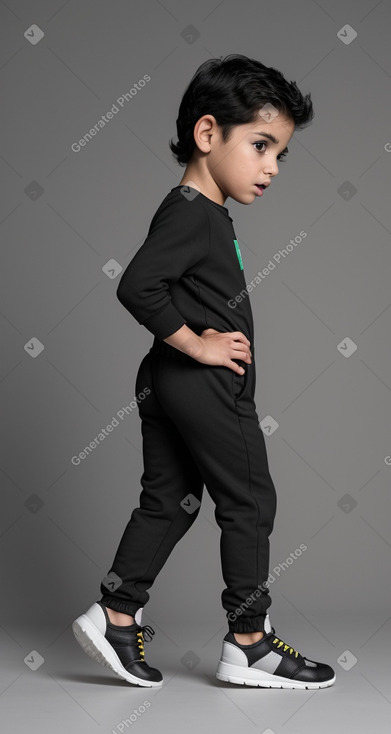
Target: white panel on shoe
{"x":97,"y":617}
{"x":269,"y":663}
{"x":233,"y":655}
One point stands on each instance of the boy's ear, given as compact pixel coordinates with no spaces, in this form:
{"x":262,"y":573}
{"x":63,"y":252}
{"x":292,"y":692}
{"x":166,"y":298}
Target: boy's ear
{"x":204,"y":128}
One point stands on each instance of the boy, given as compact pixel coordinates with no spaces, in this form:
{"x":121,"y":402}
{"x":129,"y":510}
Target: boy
{"x":198,"y":418}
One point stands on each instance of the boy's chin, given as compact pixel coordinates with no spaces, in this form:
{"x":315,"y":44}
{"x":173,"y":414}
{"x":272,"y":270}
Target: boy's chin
{"x":244,"y":198}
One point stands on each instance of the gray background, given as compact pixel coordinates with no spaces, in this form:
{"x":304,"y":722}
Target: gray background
{"x":64,"y":216}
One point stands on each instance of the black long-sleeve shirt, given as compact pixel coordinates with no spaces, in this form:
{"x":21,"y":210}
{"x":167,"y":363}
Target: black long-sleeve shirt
{"x":189,"y":270}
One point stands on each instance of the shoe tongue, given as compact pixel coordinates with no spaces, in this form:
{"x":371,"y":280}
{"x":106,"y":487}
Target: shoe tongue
{"x":138,"y":616}
{"x":266,"y":625}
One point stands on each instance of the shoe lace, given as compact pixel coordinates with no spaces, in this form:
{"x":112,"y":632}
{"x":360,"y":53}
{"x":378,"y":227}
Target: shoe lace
{"x":281,"y":644}
{"x":146,"y":631}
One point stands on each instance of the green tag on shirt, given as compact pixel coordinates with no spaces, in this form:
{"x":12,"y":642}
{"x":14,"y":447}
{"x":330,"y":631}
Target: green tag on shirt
{"x":238,"y":254}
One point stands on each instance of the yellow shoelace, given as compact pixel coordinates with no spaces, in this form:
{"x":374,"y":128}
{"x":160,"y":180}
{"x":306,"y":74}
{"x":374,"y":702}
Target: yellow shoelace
{"x":281,"y":643}
{"x":140,"y":638}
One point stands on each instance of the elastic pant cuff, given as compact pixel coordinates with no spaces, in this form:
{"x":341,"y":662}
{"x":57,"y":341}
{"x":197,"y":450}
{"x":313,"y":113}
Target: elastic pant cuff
{"x":121,"y":606}
{"x":247,"y":624}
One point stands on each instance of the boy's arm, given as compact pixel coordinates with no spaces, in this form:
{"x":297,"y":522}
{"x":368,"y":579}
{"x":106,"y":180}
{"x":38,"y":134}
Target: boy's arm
{"x":177,"y":242}
{"x":186,"y":340}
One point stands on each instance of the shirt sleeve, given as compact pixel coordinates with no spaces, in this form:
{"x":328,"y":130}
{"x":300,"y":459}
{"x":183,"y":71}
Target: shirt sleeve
{"x":177,"y":244}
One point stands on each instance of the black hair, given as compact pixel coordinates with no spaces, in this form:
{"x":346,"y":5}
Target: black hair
{"x":233,"y":89}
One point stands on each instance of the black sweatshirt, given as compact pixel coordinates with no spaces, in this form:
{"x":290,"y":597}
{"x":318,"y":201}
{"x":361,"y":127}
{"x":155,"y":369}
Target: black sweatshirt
{"x":189,"y":270}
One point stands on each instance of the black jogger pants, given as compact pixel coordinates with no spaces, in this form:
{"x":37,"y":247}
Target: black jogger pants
{"x":199,"y":426}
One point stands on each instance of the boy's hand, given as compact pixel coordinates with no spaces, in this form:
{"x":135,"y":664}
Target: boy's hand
{"x":222,"y":347}
{"x":212,"y":346}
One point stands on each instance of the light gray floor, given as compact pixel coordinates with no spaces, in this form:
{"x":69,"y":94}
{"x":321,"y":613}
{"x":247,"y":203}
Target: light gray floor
{"x":71,"y":693}
{"x":65,"y":216}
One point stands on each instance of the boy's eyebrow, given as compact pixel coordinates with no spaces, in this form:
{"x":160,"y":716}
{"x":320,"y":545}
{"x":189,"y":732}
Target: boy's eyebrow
{"x":272,"y":138}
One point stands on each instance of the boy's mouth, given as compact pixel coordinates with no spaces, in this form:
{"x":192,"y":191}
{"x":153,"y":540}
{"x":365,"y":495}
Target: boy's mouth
{"x":261,"y":188}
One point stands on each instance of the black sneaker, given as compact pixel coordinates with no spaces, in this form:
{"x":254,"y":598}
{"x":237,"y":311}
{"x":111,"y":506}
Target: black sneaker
{"x":116,"y":647}
{"x":270,"y":663}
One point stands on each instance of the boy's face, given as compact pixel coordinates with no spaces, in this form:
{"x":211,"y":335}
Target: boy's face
{"x":249,"y":157}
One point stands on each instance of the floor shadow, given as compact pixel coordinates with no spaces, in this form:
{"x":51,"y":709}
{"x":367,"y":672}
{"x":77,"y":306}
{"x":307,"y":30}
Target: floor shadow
{"x":98,"y":680}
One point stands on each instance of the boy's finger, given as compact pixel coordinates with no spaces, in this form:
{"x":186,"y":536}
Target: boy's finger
{"x":238,"y":335}
{"x":236,"y":367}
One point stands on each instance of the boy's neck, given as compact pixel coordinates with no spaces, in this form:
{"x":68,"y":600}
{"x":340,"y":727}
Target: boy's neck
{"x":203,"y":181}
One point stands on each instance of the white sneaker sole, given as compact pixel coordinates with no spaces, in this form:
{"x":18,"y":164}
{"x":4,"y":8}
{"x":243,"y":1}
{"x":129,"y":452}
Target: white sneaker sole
{"x":99,"y":649}
{"x":253,"y":677}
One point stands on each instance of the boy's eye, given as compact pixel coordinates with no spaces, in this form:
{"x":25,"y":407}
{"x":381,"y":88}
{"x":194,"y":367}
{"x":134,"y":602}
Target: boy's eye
{"x":281,"y":156}
{"x":260,"y":142}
